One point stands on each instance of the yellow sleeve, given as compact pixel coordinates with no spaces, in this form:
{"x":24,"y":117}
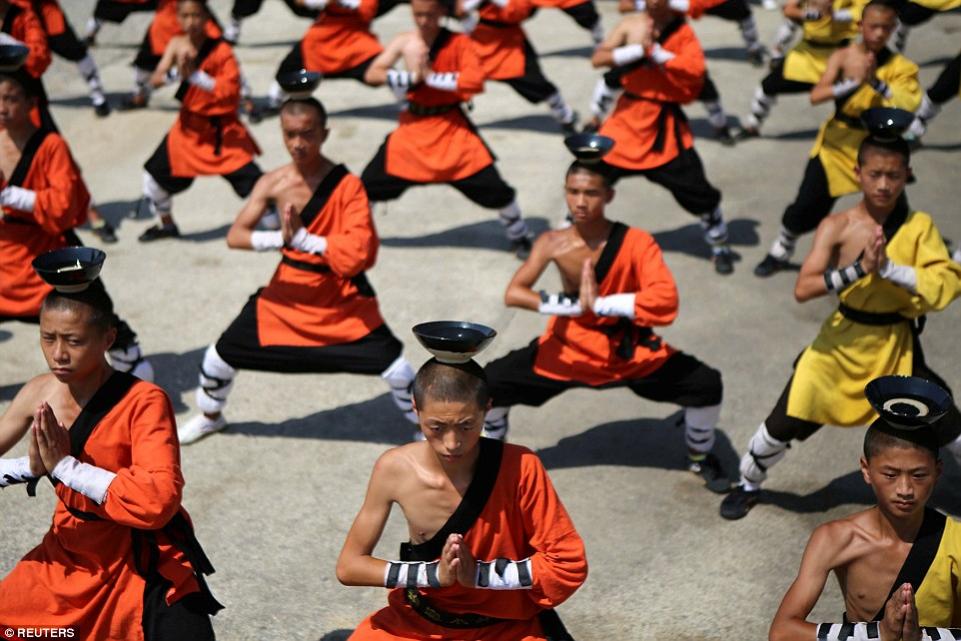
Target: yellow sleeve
{"x":938,"y":277}
{"x":905,"y":87}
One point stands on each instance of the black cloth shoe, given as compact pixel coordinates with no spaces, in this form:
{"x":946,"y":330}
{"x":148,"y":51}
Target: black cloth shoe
{"x":102,"y":110}
{"x":738,"y":503}
{"x":159,"y":232}
{"x":570,"y":128}
{"x":709,"y":468}
{"x":522,"y":247}
{"x":133,"y":102}
{"x":723,"y":136}
{"x":769,"y":266}
{"x":723,"y":260}
{"x":105,"y":232}
{"x":756,"y":56}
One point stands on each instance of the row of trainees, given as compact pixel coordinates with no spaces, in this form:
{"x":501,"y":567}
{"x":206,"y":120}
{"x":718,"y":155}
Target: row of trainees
{"x":492,"y":551}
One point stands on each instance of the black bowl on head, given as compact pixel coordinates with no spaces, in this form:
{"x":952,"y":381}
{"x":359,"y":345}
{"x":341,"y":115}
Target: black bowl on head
{"x":299,"y":84}
{"x":454,"y":341}
{"x":589,"y":147}
{"x":12,"y":57}
{"x":70,"y":269}
{"x":886,"y":122}
{"x":907,"y":402}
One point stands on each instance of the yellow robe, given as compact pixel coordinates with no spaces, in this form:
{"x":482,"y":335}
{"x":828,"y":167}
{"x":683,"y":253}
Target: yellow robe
{"x":838,"y":141}
{"x":939,"y":597}
{"x":807,"y":60}
{"x":830,"y":375}
{"x":939,"y":5}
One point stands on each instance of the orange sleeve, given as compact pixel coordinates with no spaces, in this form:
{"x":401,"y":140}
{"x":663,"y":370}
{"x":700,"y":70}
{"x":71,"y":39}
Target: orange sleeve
{"x":147,"y":494}
{"x":29,"y":31}
{"x":353,"y":248}
{"x":470,"y":79}
{"x":514,"y":11}
{"x":656,"y":302}
{"x":559,"y":563}
{"x":367,"y":10}
{"x":62,"y":199}
{"x":679,"y":79}
{"x":226,"y":73}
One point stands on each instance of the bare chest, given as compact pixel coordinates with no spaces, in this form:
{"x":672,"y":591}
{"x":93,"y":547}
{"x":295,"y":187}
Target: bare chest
{"x":428,"y":511}
{"x":9,"y":157}
{"x":867,"y":581}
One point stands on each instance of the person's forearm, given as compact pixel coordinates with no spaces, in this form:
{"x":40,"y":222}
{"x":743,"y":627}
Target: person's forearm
{"x":792,"y":630}
{"x":523,"y":297}
{"x":808,"y":287}
{"x":361,"y":571}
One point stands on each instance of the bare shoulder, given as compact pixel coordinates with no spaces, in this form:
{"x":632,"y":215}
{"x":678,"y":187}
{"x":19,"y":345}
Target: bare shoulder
{"x":840,"y":541}
{"x":393,"y":463}
{"x":37,"y":389}
{"x":274,"y":180}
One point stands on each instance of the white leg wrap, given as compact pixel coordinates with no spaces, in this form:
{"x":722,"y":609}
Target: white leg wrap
{"x":216,"y":380}
{"x":699,"y":423}
{"x":603,"y":98}
{"x":597,"y":32}
{"x":131,"y":360}
{"x":761,"y":105}
{"x":246,"y":92}
{"x":275,"y":95}
{"x":561,"y":111}
{"x":92,"y":28}
{"x":161,"y":202}
{"x":956,"y":256}
{"x":783,"y":247}
{"x":513,"y":222}
{"x":715,"y":229}
{"x":141,"y":79}
{"x":400,"y":376}
{"x":901,"y":36}
{"x":928,"y":108}
{"x":763,"y":451}
{"x":785,"y":33}
{"x":715,"y":114}
{"x":88,"y":69}
{"x":748,"y":29}
{"x":496,"y":423}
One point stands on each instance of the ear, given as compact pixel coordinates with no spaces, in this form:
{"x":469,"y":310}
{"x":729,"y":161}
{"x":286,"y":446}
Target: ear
{"x":110,"y":337}
{"x":610,"y":196}
{"x":865,"y":471}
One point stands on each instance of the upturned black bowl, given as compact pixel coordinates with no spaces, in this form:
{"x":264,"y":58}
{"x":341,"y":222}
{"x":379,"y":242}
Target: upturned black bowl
{"x":907,"y":402}
{"x":12,"y":57}
{"x":299,"y":83}
{"x":886,"y":122}
{"x":70,"y":269}
{"x":589,"y":147}
{"x":453,"y":341}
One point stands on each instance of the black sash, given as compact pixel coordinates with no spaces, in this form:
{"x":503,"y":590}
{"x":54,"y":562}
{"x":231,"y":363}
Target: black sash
{"x":318,"y":200}
{"x":26,"y":157}
{"x":922,"y":554}
{"x":877,"y":319}
{"x":896,"y":218}
{"x":178,"y":529}
{"x":205,"y":49}
{"x":439,"y":42}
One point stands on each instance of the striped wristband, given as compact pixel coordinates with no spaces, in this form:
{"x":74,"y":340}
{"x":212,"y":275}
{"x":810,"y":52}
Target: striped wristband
{"x":838,"y":279}
{"x":504,"y":574}
{"x":411,"y":575}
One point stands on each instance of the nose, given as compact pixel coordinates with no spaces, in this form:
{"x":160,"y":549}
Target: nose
{"x":451,"y":441}
{"x":60,"y":354}
{"x":904,"y":487}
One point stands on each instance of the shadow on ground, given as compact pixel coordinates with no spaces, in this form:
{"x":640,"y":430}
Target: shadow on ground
{"x":569,"y":52}
{"x":488,"y":234}
{"x":386,"y":111}
{"x":542,"y":123}
{"x":116,"y":211}
{"x":177,"y":373}
{"x":689,"y":239}
{"x":336,"y":635}
{"x":737,"y":54}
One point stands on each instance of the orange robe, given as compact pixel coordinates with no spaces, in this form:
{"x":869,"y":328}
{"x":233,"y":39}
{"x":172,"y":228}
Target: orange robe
{"x":325,"y":300}
{"x":442,"y":147}
{"x":522,"y":518}
{"x":84,"y":573}
{"x":340,"y":38}
{"x":24,"y":25}
{"x":559,"y":4}
{"x":165,"y":26}
{"x":208,"y":138}
{"x":51,"y":16}
{"x":648,"y":127}
{"x":47,"y":168}
{"x":697,"y":8}
{"x":499,"y":39}
{"x":591,"y":349}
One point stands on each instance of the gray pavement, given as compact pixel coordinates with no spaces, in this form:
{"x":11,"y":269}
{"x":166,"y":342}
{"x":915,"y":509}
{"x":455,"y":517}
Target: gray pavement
{"x":273,"y":496}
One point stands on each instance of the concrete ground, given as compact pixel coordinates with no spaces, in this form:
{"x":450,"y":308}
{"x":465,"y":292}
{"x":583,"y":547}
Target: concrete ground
{"x":273,"y":496}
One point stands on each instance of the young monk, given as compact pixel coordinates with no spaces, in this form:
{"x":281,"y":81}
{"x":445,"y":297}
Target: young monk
{"x":826,"y":25}
{"x":120,"y":560}
{"x":243,"y":9}
{"x":896,"y":562}
{"x":616,"y":288}
{"x":20,"y":25}
{"x":664,"y":69}
{"x":435,"y":142}
{"x":43,"y":200}
{"x":318,"y":313}
{"x":858,"y":77}
{"x":506,"y":55}
{"x":888,"y":266}
{"x":492,"y":550}
{"x":208,"y":138}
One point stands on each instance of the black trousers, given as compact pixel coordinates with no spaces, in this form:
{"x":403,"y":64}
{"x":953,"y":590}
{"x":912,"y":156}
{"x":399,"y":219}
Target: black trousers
{"x":486,"y":188}
{"x":158,"y":165}
{"x":240,"y":347}
{"x":948,"y":83}
{"x":813,"y":201}
{"x":788,"y":428}
{"x":584,"y":14}
{"x":294,"y":61}
{"x":913,"y":14}
{"x":113,"y":11}
{"x":775,"y":83}
{"x":146,"y":59}
{"x":533,"y":86}
{"x":683,"y":380}
{"x":185,"y":620}
{"x":67,"y":45}
{"x":683,"y":176}
{"x":246,"y":8}
{"x":734,"y":10}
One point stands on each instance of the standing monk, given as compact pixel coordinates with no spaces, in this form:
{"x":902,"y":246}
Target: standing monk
{"x":208,"y":138}
{"x":319,"y":313}
{"x":435,"y":141}
{"x":120,"y":561}
{"x":492,"y":550}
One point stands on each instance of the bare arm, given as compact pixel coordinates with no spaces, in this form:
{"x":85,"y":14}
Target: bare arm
{"x":238,"y":237}
{"x":824,"y":90}
{"x":790,"y":621}
{"x":355,"y":565}
{"x":604,"y":53}
{"x":810,"y":282}
{"x":792,"y":11}
{"x":520,"y":292}
{"x":167,"y":62}
{"x":376,"y":74}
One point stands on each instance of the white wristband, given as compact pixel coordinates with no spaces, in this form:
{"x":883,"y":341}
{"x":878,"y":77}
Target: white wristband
{"x":850,"y":631}
{"x":445,"y":81}
{"x":202,"y":79}
{"x":842,"y":15}
{"x":615,"y":305}
{"x":844,"y":87}
{"x":812,"y":14}
{"x":316,"y":5}
{"x":310,"y":243}
{"x":504,"y":574}
{"x":470,"y":5}
{"x":559,"y":305}
{"x":943,"y":634}
{"x":262,"y":241}
{"x":500,"y":3}
{"x":660,"y":55}
{"x":89,"y":480}
{"x":681,"y":6}
{"x":353,"y":5}
{"x":881,"y":88}
{"x":627,"y":54}
{"x":411,"y":575}
{"x":18,"y":198}
{"x":902,"y":275}
{"x":400,"y":79}
{"x":15,"y":470}
{"x":641,"y":5}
